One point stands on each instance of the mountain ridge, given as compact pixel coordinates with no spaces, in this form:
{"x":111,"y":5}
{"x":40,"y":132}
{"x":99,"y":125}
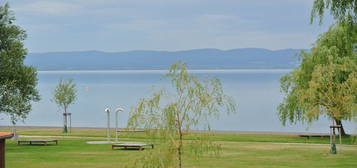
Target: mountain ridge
{"x":207,"y":58}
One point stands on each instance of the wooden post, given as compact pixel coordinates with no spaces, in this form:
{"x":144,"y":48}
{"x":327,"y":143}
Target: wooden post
{"x":3,"y":136}
{"x":2,"y":153}
{"x":333,"y":137}
{"x":339,"y":131}
{"x":70,"y":122}
{"x":330,"y":135}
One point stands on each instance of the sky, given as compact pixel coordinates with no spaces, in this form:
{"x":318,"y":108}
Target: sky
{"x":124,"y":25}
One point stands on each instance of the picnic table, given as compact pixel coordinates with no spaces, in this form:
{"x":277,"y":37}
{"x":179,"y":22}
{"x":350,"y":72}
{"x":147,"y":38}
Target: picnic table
{"x":140,"y":146}
{"x":37,"y":141}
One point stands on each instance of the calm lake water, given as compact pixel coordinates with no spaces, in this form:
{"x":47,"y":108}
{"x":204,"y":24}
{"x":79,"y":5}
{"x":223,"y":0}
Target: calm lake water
{"x":256,"y":92}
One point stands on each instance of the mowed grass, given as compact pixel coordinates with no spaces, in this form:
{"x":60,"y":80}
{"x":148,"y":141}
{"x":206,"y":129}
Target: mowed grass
{"x":76,"y":153}
{"x":238,"y":150}
{"x":217,"y":136}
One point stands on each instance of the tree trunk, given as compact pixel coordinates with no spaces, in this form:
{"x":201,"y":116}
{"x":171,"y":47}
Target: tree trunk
{"x":180,"y":149}
{"x":339,"y":122}
{"x":65,"y":129}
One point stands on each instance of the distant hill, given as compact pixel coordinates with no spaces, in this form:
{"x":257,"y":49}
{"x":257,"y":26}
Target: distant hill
{"x":244,"y":58}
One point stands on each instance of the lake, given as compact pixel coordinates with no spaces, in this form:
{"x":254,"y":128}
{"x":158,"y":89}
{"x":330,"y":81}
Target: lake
{"x":256,"y":92}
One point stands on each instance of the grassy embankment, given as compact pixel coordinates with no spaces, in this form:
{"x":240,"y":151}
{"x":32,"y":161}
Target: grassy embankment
{"x":238,"y":150}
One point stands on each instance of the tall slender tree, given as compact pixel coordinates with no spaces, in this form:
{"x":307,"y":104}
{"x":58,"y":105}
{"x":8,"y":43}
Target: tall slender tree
{"x":168,"y":117}
{"x":64,"y":96}
{"x":17,"y":81}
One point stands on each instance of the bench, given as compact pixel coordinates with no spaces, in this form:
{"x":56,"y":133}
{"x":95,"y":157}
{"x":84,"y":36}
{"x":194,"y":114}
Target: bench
{"x":128,"y":145}
{"x":308,"y":136}
{"x":37,"y":141}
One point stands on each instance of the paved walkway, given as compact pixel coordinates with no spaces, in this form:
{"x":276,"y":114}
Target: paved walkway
{"x":85,"y":138}
{"x":69,"y":137}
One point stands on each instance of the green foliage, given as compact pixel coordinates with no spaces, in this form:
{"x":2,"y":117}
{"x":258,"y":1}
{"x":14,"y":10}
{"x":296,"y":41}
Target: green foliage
{"x":326,"y":81}
{"x":65,"y":95}
{"x":341,"y":10}
{"x":17,"y":81}
{"x":169,"y":116}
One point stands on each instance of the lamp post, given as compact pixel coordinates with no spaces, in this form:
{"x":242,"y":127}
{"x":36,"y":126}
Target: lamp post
{"x":108,"y":123}
{"x":116,"y":122}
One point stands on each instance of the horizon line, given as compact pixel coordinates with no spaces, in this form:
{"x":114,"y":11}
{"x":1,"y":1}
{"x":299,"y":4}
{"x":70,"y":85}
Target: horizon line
{"x":143,"y":50}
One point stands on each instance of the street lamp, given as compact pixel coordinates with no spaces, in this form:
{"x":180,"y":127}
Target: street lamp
{"x":116,"y":122}
{"x":108,"y":123}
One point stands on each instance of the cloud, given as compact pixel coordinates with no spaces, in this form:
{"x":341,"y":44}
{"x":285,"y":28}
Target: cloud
{"x":48,"y":7}
{"x":114,"y":25}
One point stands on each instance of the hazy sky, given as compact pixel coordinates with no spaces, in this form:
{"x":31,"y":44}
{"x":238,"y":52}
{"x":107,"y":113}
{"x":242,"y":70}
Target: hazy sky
{"x":121,"y":25}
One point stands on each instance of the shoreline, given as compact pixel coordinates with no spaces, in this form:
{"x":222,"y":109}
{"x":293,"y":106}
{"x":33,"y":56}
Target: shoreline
{"x":165,"y":70}
{"x":199,"y":131}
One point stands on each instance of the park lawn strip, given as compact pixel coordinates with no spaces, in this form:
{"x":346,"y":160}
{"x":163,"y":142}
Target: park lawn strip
{"x":69,"y":153}
{"x":75,"y":153}
{"x":258,"y":154}
{"x":217,"y":135}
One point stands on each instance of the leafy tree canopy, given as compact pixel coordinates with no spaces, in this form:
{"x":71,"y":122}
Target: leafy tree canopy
{"x":326,"y":81}
{"x":65,"y":94}
{"x":17,"y":81}
{"x":341,"y":10}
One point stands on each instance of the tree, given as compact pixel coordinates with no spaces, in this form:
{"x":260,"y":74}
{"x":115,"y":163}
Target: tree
{"x":168,"y":117}
{"x":326,"y":81}
{"x":17,"y":81}
{"x":64,"y":96}
{"x":341,"y":10}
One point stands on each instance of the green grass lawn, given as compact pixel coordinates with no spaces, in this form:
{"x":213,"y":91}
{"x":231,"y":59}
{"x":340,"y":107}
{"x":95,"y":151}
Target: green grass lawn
{"x":238,"y":150}
{"x":218,"y":136}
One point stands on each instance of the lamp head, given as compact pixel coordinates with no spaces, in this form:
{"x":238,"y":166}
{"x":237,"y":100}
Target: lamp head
{"x":119,"y":109}
{"x":107,"y":110}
